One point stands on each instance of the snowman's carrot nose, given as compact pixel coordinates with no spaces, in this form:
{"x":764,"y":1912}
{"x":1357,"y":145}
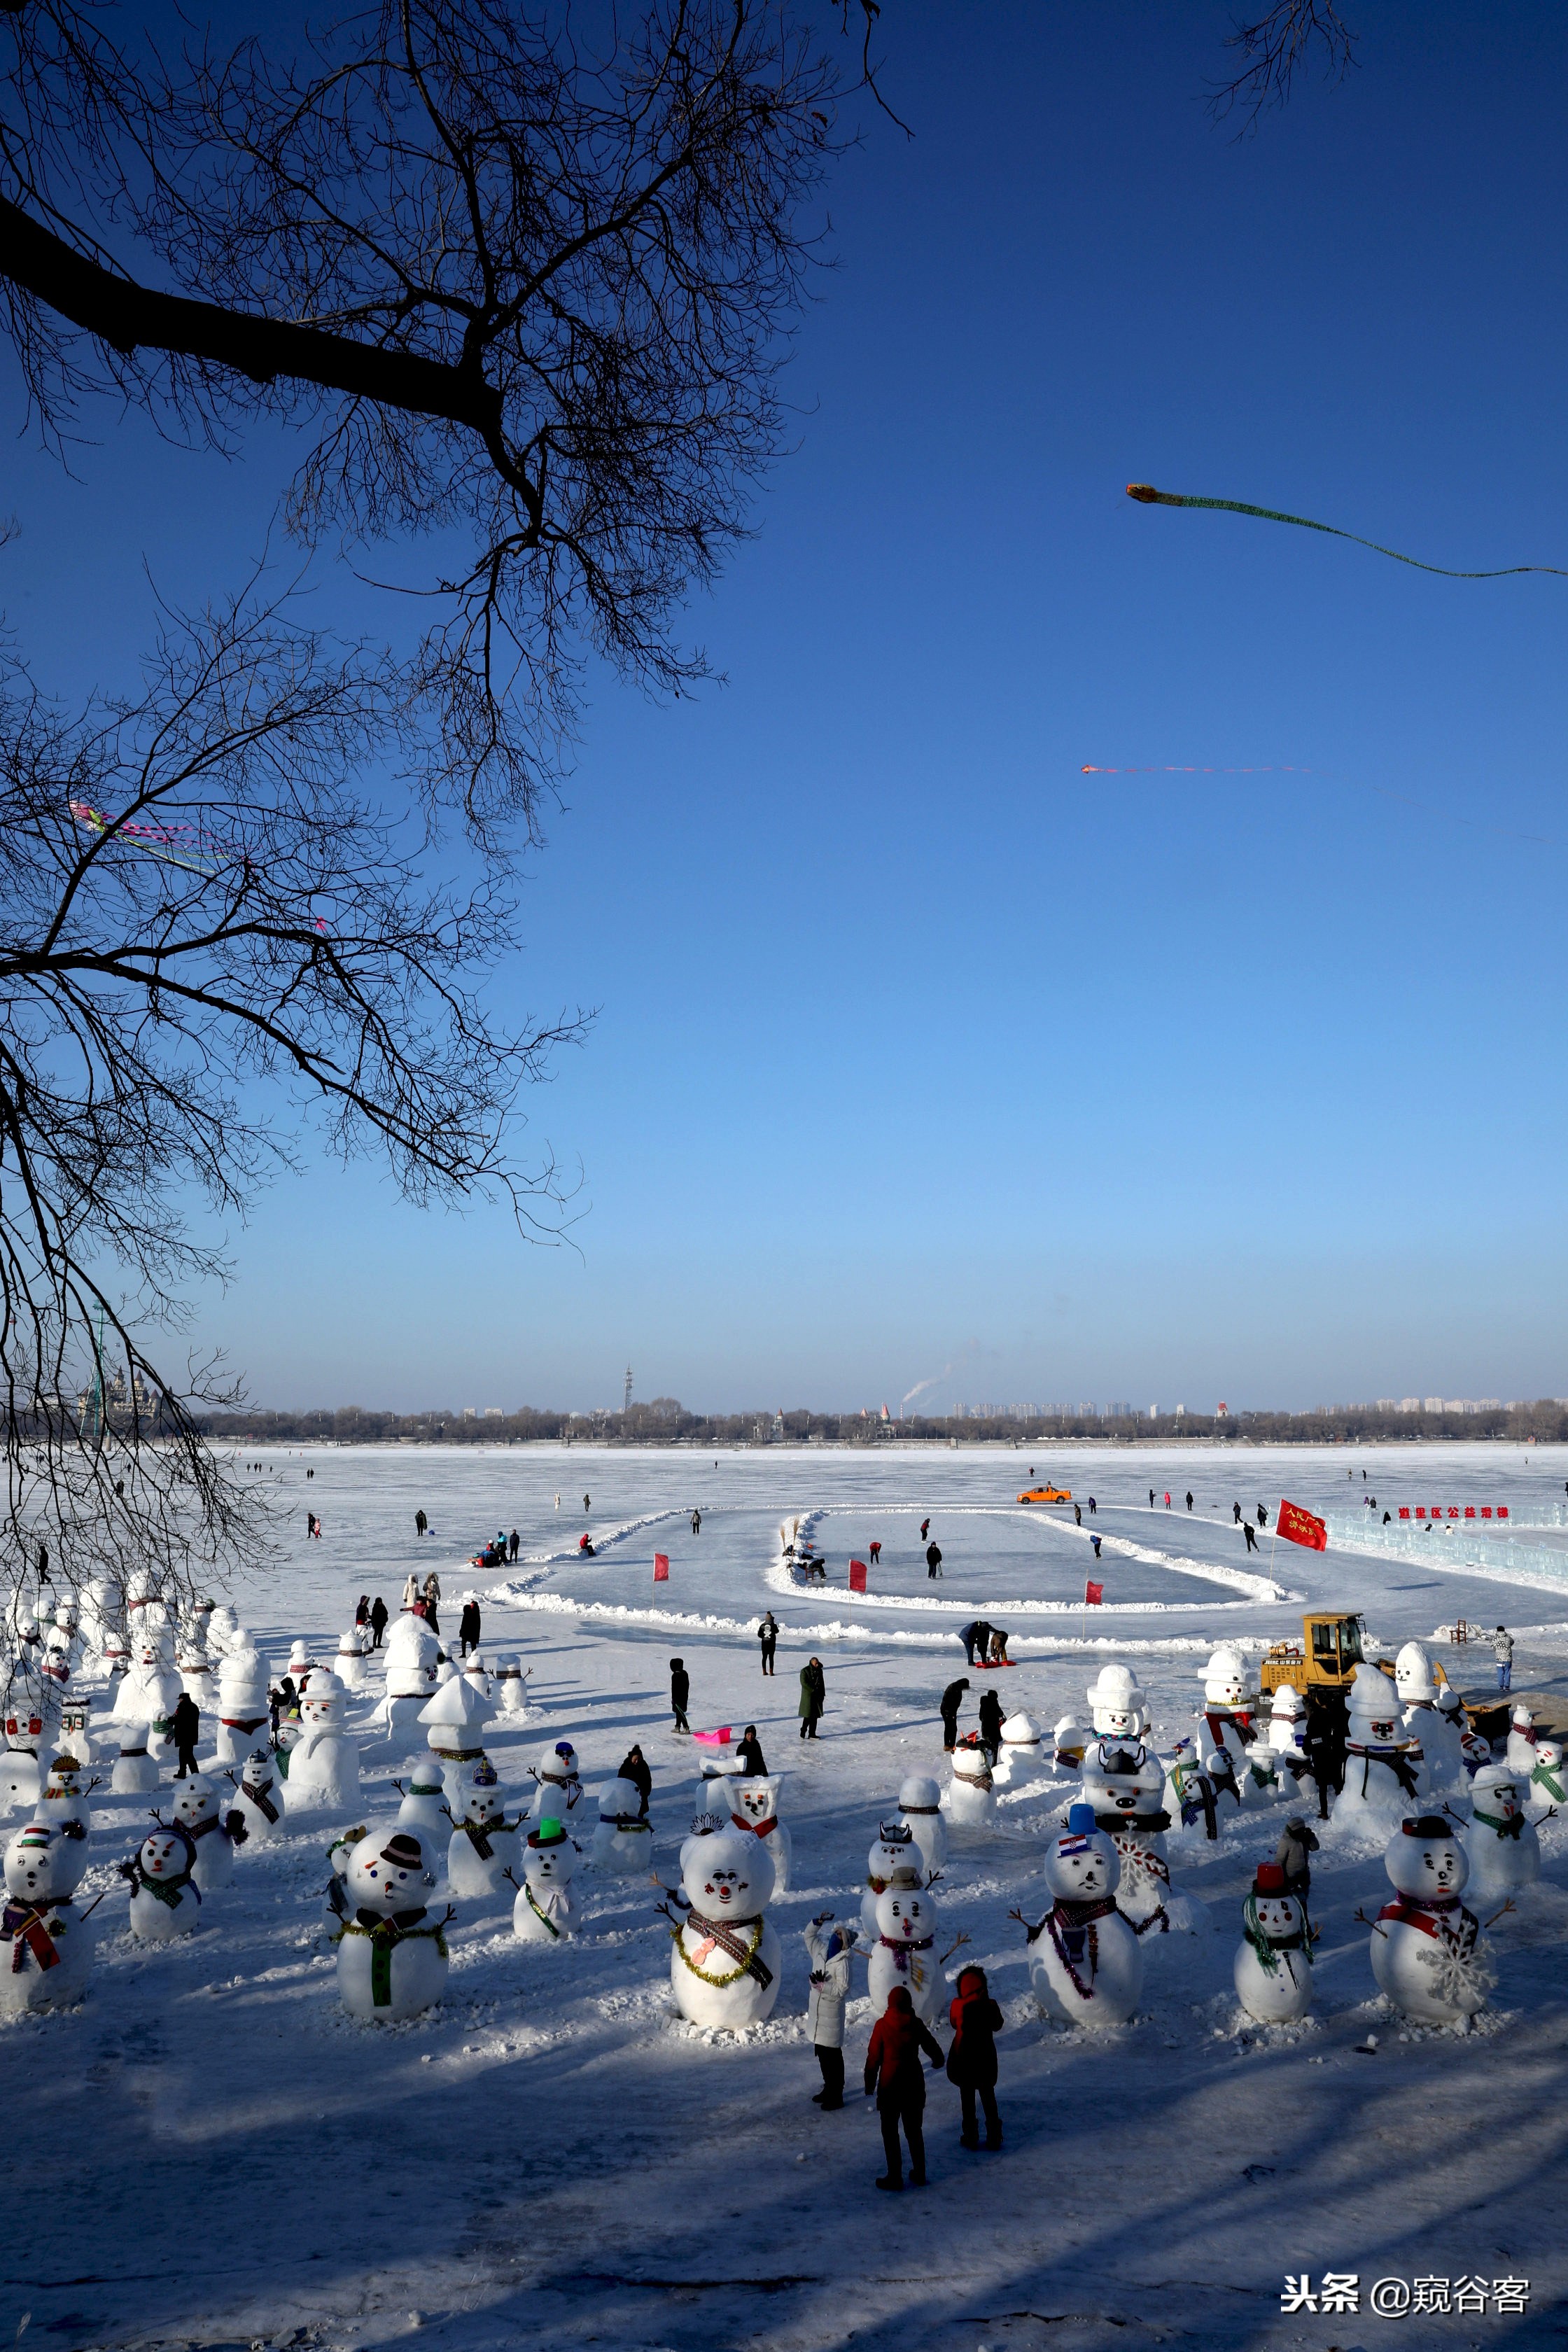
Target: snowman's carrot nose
{"x":1147,"y":496}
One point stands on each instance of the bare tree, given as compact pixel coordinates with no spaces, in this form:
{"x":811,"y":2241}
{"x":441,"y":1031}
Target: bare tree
{"x":512,"y":284}
{"x":1276,"y":48}
{"x":213,"y":938}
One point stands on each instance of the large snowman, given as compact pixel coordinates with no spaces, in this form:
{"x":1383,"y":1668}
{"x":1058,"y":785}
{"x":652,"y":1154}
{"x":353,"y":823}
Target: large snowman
{"x":920,"y":1805}
{"x":392,"y":1957}
{"x":969,"y":1801}
{"x":1086,"y":1964}
{"x":259,"y":1797}
{"x":904,"y":1951}
{"x":1124,"y":1785}
{"x":623,"y":1839}
{"x":894,"y":1848}
{"x":1287,"y":1740}
{"x":1548,"y":1792}
{"x":454,"y":1718}
{"x":412,"y":1655}
{"x":165,"y":1900}
{"x":1224,"y":1723}
{"x":1501,"y":1844}
{"x":198,"y":1813}
{"x":323,"y":1764}
{"x":1273,"y":1966}
{"x":483,"y":1852}
{"x":1019,"y":1755}
{"x":725,"y":1960}
{"x":1415,"y":1679}
{"x":559,"y":1780}
{"x":46,"y":1952}
{"x":1385,"y":1775}
{"x":1118,"y":1708}
{"x":544,"y":1911}
{"x":1426,"y":1949}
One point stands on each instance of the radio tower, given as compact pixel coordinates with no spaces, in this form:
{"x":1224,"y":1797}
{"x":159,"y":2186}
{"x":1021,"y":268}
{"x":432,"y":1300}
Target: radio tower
{"x":628,"y":1405}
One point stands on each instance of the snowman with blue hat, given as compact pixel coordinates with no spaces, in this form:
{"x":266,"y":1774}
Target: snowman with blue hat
{"x":1086,"y":1963}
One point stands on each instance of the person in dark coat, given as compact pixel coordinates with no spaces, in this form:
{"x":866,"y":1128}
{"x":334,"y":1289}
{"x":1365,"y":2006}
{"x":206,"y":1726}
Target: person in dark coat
{"x":893,"y":2073}
{"x":420,"y":1522}
{"x":813,"y":1697}
{"x":933,"y":1561}
{"x":951,"y":1700}
{"x":974,"y":1637}
{"x":634,"y":1770}
{"x":749,"y":1755}
{"x":971,"y":2060}
{"x":362,"y":1611}
{"x":469,"y":1628}
{"x":513,"y":1542}
{"x":991,"y":1722}
{"x":184,"y":1730}
{"x":679,"y":1693}
{"x":377,"y":1620}
{"x":768,"y":1636}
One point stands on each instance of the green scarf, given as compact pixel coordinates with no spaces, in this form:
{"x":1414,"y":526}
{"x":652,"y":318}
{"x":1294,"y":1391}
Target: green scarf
{"x":1268,"y":1953}
{"x":538,"y":1914}
{"x":1509,"y":1829}
{"x":384,"y":1936}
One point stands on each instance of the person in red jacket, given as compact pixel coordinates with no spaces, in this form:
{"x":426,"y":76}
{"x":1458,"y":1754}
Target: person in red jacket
{"x":893,"y":2073}
{"x":971,"y":2060}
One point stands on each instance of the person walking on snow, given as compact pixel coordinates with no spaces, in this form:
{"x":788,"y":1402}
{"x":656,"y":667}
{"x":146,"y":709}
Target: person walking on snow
{"x":697,"y":1523}
{"x":1251,"y":1538}
{"x":991,"y":1723}
{"x":1263,"y":1515}
{"x":950,"y":1701}
{"x":768,"y":1636}
{"x":1078,"y":1514}
{"x":1095,"y":1541}
{"x":432,"y":1602}
{"x":377,"y":1620}
{"x":933,"y":1561}
{"x":184,"y":1730}
{"x":894,"y":2074}
{"x":1151,"y":1498}
{"x":971,"y":2060}
{"x":828,"y":1947}
{"x":679,"y":1693}
{"x":1503,"y":1651}
{"x":925,"y":1529}
{"x":813,"y":1697}
{"x":1235,"y":1513}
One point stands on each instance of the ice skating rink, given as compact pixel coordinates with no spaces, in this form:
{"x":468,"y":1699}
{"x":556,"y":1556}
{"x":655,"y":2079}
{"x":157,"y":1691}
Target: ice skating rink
{"x":210,"y":2151}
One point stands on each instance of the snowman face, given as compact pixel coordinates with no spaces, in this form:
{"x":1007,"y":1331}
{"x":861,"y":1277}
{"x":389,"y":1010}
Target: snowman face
{"x":754,"y":1800}
{"x":730,"y":1875}
{"x":884,"y":1859}
{"x":1425,"y":1867}
{"x":1383,"y":1728}
{"x":484,"y":1805}
{"x":1224,"y":1685}
{"x":164,"y":1856}
{"x":382,"y":1886}
{"x":1498,"y":1797}
{"x":903,"y":1916}
{"x":196,"y":1800}
{"x":1276,"y":1915}
{"x":550,"y":1865}
{"x":146,"y":1653}
{"x":1079,"y":1868}
{"x":1120,"y":1794}
{"x":1550,"y":1753}
{"x":1123,"y":1721}
{"x":30,"y":1867}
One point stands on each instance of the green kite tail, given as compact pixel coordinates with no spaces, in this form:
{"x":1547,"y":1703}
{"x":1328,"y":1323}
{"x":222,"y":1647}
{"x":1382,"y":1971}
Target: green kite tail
{"x":1149,"y":497}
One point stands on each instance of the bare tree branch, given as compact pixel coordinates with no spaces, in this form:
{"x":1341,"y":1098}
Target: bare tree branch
{"x":1274,"y":49}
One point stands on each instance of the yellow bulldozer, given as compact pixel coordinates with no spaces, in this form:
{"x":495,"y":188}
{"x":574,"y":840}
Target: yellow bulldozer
{"x":1323,"y":1659}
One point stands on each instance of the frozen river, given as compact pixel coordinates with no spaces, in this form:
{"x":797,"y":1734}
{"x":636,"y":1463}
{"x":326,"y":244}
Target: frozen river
{"x":215,"y":2154}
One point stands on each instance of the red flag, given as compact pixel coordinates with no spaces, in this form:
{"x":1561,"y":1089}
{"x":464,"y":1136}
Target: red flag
{"x":661,"y":1568}
{"x":857,"y":1576}
{"x":1299,"y":1527}
{"x":1093,"y":1594}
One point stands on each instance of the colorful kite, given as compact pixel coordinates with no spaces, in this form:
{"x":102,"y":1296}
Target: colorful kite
{"x":176,"y":844}
{"x":1147,"y":496}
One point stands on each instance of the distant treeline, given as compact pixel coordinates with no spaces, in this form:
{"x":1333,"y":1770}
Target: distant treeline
{"x":666,"y":1421}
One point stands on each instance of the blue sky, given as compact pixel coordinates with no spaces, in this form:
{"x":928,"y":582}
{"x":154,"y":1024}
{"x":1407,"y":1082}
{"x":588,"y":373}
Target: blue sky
{"x":921,"y":1056}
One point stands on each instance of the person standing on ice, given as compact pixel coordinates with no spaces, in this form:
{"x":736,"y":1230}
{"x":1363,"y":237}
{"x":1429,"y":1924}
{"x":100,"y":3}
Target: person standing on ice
{"x":933,"y":1561}
{"x":749,"y":1755}
{"x":875,"y":1551}
{"x":828,"y":1947}
{"x":894,"y":2075}
{"x":813,"y":1697}
{"x":1503,"y":1651}
{"x":951,"y":1700}
{"x":925,"y":1529}
{"x":768,"y":1636}
{"x":1251,"y":1538}
{"x":1189,"y":1499}
{"x":1263,"y":1515}
{"x":469,"y":1628}
{"x":411,"y":1591}
{"x":1167,"y":1498}
{"x":976,"y":2022}
{"x":184,"y":1730}
{"x":1151,"y":1498}
{"x":432,"y":1596}
{"x":362,"y":1609}
{"x":697,"y":1523}
{"x":991,"y":1724}
{"x":513,"y":1542}
{"x":377,"y":1620}
{"x":421,"y":1524}
{"x":1236,"y":1512}
{"x":1095,"y":1540}
{"x":634,"y":1770}
{"x":587,"y":1506}
{"x":679,"y":1693}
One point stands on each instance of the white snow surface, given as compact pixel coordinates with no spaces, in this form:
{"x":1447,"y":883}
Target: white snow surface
{"x":216,"y":2154}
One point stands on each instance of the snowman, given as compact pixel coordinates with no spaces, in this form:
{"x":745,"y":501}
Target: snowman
{"x":412,"y":1655}
{"x":484,"y":1847}
{"x":336,"y":1906}
{"x":1432,"y":1715}
{"x":165,"y":1900}
{"x":725,"y":1960}
{"x":301,"y":1666}
{"x":1426,"y":1949}
{"x":1475,"y":1750}
{"x":196,"y":1811}
{"x":196,"y":1678}
{"x":1202,"y":1788}
{"x":102,"y":1616}
{"x":222,"y":1627}
{"x":323,"y":1764}
{"x":45,"y":1950}
{"x":64,"y":1802}
{"x":392,"y":1957}
{"x":1273,"y":1966}
{"x":1019,"y":1754}
{"x":1086,"y":1964}
{"x":969,"y":1801}
{"x":894,"y":1848}
{"x":1224,"y":1723}
{"x":920,"y":1804}
{"x":544,"y":1912}
{"x":559,"y":1784}
{"x":1070,"y":1739}
{"x":135,"y":1768}
{"x":258,"y":1798}
{"x":454,"y":1718}
{"x":28,"y":1742}
{"x":511,"y":1686}
{"x":1520,"y":1753}
{"x":624,"y":1838}
{"x":754,"y":1811}
{"x":1385,"y":1769}
{"x":242,"y":1697}
{"x":1124,"y":1785}
{"x":1116,"y":1706}
{"x":1501,"y":1844}
{"x":1548,"y":1790}
{"x":903,"y":1952}
{"x":150,"y":1693}
{"x":354,"y":1647}
{"x":1287,"y":1739}
{"x":424,"y":1813}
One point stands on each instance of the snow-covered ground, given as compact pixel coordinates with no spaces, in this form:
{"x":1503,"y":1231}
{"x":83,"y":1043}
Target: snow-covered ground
{"x":209,"y":2151}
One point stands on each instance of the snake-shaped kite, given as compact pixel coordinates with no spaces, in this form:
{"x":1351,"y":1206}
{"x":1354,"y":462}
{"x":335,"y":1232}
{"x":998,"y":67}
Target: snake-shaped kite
{"x":1147,"y":496}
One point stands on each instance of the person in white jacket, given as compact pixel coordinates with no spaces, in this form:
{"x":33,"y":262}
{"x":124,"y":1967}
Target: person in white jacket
{"x":828,"y":1945}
